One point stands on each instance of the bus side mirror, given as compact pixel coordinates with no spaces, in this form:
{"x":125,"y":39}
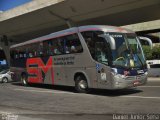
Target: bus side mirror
{"x":110,"y":40}
{"x":148,"y":40}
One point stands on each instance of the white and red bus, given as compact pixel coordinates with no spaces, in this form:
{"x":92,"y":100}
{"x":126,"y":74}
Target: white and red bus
{"x":94,"y":56}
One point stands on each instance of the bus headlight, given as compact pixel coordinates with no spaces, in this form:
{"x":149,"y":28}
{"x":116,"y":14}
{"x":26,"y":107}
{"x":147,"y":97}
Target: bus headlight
{"x":114,"y":71}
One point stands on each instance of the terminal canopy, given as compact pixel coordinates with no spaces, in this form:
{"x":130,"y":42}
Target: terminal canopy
{"x":41,"y":17}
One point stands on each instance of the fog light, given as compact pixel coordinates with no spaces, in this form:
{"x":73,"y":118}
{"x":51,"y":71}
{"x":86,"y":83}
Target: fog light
{"x":117,"y":83}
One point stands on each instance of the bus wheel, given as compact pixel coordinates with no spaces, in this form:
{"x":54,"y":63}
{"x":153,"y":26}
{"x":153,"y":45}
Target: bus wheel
{"x":81,"y":84}
{"x":24,"y":80}
{"x":5,"y":80}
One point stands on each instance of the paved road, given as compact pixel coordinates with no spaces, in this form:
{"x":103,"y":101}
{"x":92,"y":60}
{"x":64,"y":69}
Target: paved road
{"x":44,"y":102}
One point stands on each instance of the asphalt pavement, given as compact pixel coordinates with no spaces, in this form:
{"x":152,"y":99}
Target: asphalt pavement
{"x":46,"y":102}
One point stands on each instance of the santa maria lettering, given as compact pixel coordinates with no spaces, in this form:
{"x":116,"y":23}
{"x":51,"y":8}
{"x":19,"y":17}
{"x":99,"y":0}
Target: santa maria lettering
{"x":64,"y":60}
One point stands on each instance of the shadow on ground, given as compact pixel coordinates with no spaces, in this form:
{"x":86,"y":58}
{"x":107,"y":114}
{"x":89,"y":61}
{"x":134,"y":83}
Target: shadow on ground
{"x":100,"y":92}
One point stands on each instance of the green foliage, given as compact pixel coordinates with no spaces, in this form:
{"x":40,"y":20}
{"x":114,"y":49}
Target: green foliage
{"x":151,"y":53}
{"x":147,"y":51}
{"x":156,"y":52}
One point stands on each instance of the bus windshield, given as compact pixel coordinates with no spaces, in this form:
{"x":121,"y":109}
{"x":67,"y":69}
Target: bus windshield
{"x":128,"y":52}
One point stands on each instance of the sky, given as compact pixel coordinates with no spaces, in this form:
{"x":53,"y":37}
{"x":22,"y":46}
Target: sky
{"x":9,"y":4}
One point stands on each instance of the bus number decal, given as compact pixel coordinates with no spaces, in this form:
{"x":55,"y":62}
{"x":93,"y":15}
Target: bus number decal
{"x":35,"y":67}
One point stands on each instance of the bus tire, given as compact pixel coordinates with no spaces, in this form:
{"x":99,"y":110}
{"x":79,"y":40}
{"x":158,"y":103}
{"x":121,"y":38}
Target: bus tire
{"x":81,"y":84}
{"x":24,"y":80}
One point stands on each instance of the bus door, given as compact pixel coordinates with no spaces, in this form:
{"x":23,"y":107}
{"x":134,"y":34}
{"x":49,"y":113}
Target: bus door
{"x":103,"y":75}
{"x":102,"y":64}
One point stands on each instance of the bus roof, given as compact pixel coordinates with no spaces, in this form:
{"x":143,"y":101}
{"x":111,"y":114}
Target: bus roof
{"x":104,"y":28}
{"x":69,"y":31}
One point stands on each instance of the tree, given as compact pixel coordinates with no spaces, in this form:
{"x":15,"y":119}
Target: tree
{"x":148,"y":52}
{"x":151,"y":53}
{"x":156,"y":52}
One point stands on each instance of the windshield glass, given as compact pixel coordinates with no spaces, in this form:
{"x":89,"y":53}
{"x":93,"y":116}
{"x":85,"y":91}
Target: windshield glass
{"x":128,"y":52}
{"x":102,"y":51}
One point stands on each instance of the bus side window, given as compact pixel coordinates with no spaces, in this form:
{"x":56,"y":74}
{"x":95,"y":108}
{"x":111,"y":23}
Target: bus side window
{"x":73,"y":44}
{"x":40,"y":49}
{"x":17,"y":54}
{"x":66,"y":47}
{"x":58,"y":46}
{"x":98,"y":46}
{"x":45,"y":48}
{"x":90,"y":38}
{"x":49,"y":48}
{"x":30,"y":51}
{"x":21,"y":52}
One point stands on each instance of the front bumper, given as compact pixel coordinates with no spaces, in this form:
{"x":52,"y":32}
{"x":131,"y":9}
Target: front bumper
{"x":128,"y":81}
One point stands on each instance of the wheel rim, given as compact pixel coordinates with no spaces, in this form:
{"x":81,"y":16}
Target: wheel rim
{"x":82,"y":84}
{"x":5,"y":80}
{"x":24,"y":80}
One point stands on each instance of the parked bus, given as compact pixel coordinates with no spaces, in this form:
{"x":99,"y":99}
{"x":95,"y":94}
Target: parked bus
{"x":95,"y":56}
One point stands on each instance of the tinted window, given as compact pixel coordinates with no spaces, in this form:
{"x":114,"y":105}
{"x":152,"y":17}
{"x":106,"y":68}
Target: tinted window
{"x":72,"y":44}
{"x":63,"y":45}
{"x":98,"y":46}
{"x":56,"y":46}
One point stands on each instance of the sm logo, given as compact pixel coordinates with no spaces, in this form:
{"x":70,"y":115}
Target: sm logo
{"x":37,"y":70}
